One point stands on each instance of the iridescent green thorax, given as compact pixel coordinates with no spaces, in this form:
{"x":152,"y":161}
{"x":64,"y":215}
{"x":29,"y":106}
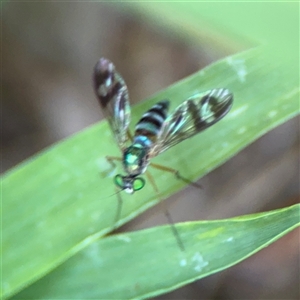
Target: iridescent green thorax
{"x":134,"y":159}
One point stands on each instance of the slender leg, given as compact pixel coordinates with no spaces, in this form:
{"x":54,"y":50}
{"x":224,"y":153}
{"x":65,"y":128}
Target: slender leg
{"x":176,"y":173}
{"x":175,"y":231}
{"x":129,"y":135}
{"x":152,"y":181}
{"x":167,"y":214}
{"x":111,"y":160}
{"x":110,"y":169}
{"x":119,"y":209}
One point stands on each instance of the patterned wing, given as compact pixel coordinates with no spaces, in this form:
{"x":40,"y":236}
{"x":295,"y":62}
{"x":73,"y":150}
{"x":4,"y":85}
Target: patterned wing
{"x":112,"y":94}
{"x":193,"y":116}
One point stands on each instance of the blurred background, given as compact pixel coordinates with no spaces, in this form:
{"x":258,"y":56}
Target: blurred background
{"x":49,"y":51}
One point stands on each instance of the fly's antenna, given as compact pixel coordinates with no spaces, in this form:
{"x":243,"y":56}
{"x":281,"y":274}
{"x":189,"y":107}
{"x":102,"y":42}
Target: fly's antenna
{"x":117,"y":192}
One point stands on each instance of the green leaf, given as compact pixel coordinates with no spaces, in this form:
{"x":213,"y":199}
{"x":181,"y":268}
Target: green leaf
{"x":62,"y":199}
{"x":230,"y":25}
{"x":149,"y":262}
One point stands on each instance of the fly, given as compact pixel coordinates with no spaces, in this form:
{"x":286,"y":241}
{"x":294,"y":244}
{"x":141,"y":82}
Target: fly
{"x":156,"y":131}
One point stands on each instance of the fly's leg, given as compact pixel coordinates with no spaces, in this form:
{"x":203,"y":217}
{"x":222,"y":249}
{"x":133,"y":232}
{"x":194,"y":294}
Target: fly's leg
{"x":174,"y":230}
{"x":112,"y":159}
{"x":129,"y":135}
{"x":152,"y":181}
{"x":119,"y":209}
{"x":110,"y":170}
{"x":166,"y":212}
{"x":176,"y":173}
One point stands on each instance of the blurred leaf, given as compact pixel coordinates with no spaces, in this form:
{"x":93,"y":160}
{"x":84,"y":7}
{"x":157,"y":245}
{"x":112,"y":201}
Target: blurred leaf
{"x":148,"y":262}
{"x":230,"y":25}
{"x":60,"y":201}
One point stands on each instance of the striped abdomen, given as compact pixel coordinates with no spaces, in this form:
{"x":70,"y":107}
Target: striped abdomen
{"x":152,"y":120}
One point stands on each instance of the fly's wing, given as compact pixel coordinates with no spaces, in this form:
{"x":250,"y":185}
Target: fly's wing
{"x":112,"y":94}
{"x":191,"y":117}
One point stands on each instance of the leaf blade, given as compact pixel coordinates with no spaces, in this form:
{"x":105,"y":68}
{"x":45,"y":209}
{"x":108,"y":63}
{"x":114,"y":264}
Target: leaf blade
{"x":151,"y":262}
{"x":62,"y":192}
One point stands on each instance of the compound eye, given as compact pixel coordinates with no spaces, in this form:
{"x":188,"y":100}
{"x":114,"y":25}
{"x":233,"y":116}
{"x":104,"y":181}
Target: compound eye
{"x":138,"y":183}
{"x":119,"y":181}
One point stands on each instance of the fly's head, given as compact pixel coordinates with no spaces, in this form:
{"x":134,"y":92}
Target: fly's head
{"x":129,"y":184}
{"x":135,"y":161}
